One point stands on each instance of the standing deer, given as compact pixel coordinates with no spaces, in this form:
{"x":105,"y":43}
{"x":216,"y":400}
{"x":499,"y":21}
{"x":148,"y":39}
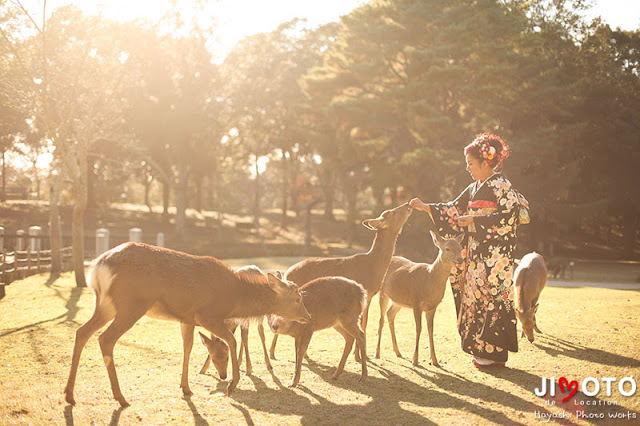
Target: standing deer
{"x":528,"y":281}
{"x":133,"y":280}
{"x":367,"y":268}
{"x":419,"y":286}
{"x":335,"y":302}
{"x":221,"y":358}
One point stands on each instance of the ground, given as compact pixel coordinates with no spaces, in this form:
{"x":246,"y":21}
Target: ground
{"x":587,"y":332}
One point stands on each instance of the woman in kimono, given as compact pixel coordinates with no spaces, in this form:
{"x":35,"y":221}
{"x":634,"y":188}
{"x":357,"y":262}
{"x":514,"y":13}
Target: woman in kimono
{"x":487,"y":212}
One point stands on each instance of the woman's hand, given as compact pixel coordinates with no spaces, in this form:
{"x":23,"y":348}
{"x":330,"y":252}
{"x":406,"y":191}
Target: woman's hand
{"x":419,"y":205}
{"x":465,"y":221}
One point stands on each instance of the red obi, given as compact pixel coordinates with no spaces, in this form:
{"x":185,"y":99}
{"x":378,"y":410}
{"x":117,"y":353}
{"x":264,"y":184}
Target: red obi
{"x":482,"y":204}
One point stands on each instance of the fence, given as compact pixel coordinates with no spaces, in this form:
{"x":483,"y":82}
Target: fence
{"x":19,"y":264}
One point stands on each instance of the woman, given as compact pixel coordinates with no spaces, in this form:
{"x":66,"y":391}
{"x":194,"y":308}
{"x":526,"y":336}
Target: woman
{"x":487,"y":211}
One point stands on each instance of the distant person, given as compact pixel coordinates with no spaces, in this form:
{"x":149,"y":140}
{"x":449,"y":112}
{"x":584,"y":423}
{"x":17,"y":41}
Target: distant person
{"x":487,"y":211}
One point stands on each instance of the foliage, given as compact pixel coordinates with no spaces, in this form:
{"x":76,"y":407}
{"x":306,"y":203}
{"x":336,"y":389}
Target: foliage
{"x":378,"y":105}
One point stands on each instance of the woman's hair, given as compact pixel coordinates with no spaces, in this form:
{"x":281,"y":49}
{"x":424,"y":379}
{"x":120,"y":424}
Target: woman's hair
{"x":488,"y":147}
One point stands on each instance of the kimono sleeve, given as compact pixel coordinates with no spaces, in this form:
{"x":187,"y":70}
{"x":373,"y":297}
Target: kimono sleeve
{"x":445,"y":215}
{"x":504,"y":219}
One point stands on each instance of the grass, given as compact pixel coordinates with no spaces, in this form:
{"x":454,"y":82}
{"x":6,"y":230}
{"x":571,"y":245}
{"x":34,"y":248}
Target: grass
{"x":588,"y":332}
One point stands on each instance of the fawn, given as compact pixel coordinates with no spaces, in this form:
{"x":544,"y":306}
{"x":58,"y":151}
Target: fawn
{"x":368,"y":268}
{"x":335,"y":302}
{"x":528,"y":281}
{"x":133,"y":280}
{"x":221,"y":351}
{"x":419,"y":286}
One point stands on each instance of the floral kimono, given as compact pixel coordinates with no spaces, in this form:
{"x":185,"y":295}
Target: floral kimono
{"x":482,"y":285}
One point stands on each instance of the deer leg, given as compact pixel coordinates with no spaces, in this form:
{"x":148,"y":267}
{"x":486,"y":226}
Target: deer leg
{"x":355,"y":332}
{"x":244,"y":333}
{"x":365,"y":319}
{"x":220,"y":329}
{"x":384,"y":303}
{"x":302,"y":343}
{"x":272,"y":350}
{"x":187,"y":344}
{"x":391,"y":317}
{"x":83,"y":334}
{"x":264,"y":345}
{"x":348,"y":344}
{"x":124,"y":320}
{"x":417,"y":315}
{"x":429,"y":315}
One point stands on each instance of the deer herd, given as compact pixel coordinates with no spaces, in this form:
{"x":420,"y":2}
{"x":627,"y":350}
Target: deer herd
{"x":135,"y":279}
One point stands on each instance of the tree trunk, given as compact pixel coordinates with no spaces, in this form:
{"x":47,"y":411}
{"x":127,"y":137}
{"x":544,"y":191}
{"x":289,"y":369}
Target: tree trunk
{"x":166,"y":194}
{"x":256,"y":200}
{"x":55,"y":230}
{"x":77,"y":231}
{"x":285,"y":188}
{"x":4,"y":178}
{"x":147,"y":188}
{"x":351,"y":195}
{"x":181,"y":200}
{"x":328,"y":189}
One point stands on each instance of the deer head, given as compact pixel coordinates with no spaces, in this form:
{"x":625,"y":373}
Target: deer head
{"x":450,"y":248}
{"x":393,"y":219}
{"x":219,"y":352}
{"x":288,"y":301}
{"x":528,"y":320}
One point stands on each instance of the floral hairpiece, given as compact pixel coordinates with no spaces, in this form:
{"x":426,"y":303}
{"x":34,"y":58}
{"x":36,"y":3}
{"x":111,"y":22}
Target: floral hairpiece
{"x":488,"y":152}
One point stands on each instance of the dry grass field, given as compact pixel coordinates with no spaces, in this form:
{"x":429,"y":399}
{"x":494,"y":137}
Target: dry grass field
{"x":588,"y":332}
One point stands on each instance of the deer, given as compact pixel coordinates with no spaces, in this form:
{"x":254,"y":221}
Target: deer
{"x":529,"y":279}
{"x":220,"y":349}
{"x":136,"y":279}
{"x":336,"y":302}
{"x":368,"y":268}
{"x":419,"y":286}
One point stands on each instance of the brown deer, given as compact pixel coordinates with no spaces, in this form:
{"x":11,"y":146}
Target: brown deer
{"x":335,"y":302}
{"x":132,"y":280}
{"x":220,"y":349}
{"x":367,"y":268}
{"x":419,"y":286}
{"x":528,"y":281}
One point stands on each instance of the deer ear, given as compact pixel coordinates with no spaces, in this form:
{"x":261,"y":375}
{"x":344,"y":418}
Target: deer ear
{"x":277,"y":284}
{"x":278,"y":275}
{"x":437,"y":239}
{"x":206,"y":342}
{"x":372,"y":224}
{"x":460,"y":238}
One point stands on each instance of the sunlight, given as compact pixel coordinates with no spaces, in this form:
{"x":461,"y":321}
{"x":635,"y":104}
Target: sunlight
{"x":233,"y":19}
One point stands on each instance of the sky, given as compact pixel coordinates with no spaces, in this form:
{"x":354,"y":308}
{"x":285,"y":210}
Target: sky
{"x":240,"y":18}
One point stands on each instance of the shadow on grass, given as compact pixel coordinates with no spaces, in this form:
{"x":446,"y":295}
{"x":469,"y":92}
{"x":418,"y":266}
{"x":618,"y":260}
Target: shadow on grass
{"x":388,"y":395}
{"x":555,"y":346}
{"x":197,"y":417}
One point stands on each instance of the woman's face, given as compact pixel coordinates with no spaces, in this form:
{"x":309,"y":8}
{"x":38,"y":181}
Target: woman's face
{"x":478,"y":169}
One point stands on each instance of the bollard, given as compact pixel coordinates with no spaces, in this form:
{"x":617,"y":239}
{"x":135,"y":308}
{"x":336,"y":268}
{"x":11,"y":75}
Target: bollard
{"x":160,"y":239}
{"x":135,"y":235}
{"x":1,"y":239}
{"x":20,"y":245}
{"x":102,"y":241}
{"x":34,"y":238}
